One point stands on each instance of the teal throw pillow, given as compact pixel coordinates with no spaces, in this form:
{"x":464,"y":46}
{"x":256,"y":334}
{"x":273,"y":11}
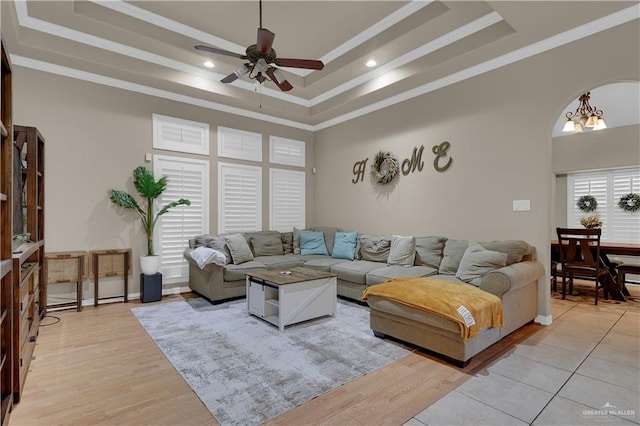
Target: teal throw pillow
{"x":344,"y":245}
{"x":312,"y":243}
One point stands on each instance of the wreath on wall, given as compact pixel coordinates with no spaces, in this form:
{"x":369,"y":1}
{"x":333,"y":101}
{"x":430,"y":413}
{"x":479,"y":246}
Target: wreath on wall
{"x":385,"y":167}
{"x":630,"y":202}
{"x":587,"y":203}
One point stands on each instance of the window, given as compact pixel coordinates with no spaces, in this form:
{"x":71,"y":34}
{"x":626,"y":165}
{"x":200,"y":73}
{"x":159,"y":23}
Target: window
{"x":286,"y":151}
{"x":233,"y":143}
{"x":286,"y":200}
{"x":186,"y":178}
{"x":239,"y":198}
{"x":607,"y":187}
{"x":176,"y":134}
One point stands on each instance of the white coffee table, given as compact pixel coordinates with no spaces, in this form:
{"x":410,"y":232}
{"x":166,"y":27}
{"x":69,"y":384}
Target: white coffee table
{"x":288,"y":297}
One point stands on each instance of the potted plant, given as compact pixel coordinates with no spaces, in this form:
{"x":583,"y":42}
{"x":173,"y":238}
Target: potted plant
{"x":149,"y":189}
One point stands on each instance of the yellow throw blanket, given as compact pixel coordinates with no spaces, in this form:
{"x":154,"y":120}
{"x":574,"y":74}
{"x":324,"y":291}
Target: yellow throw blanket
{"x":443,"y":298}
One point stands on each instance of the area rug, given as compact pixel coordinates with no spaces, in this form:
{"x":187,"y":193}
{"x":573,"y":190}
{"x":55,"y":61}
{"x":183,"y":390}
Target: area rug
{"x":246,"y":372}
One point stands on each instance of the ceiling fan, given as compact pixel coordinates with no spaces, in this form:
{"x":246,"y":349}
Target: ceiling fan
{"x":261,"y":60}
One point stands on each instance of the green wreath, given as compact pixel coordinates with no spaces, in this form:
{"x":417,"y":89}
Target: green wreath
{"x":630,"y":202}
{"x":587,"y":203}
{"x":385,"y":167}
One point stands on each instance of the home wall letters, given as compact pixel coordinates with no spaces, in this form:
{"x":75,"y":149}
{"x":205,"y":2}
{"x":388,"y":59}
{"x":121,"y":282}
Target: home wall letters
{"x":409,"y":165}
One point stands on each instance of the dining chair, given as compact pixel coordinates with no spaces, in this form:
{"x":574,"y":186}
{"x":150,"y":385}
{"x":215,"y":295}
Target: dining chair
{"x":580,"y":256}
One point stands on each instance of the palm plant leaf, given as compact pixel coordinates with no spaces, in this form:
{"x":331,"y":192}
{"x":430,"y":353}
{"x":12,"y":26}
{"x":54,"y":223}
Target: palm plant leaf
{"x":180,"y":202}
{"x":146,"y":185}
{"x":124,"y":200}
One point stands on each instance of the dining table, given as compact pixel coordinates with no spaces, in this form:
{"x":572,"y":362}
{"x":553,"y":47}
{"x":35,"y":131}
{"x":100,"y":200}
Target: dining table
{"x":608,"y":249}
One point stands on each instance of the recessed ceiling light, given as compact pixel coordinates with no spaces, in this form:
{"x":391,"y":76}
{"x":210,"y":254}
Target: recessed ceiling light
{"x":209,"y":64}
{"x":371,"y":63}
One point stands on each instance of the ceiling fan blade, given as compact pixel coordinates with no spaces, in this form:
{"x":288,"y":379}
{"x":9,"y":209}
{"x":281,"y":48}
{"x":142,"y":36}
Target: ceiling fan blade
{"x":219,"y":51}
{"x":283,"y":84}
{"x":265,"y":40}
{"x":239,"y":72}
{"x":299,"y":63}
{"x":230,"y":78}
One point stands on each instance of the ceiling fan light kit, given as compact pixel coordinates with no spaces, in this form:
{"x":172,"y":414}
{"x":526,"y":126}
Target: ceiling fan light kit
{"x":263,"y":61}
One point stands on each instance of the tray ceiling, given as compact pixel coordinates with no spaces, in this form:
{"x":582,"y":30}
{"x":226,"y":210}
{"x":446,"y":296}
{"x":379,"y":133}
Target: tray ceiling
{"x":419,"y":46}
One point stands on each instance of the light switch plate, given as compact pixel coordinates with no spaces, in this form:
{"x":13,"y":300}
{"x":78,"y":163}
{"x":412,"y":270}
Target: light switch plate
{"x":521,"y":205}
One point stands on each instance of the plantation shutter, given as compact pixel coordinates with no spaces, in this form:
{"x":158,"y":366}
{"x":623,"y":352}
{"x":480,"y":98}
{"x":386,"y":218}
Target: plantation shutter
{"x":607,"y":187}
{"x":626,"y":225}
{"x":286,"y":151}
{"x":286,"y":200}
{"x":239,"y":198}
{"x":186,"y":178}
{"x":176,"y":134}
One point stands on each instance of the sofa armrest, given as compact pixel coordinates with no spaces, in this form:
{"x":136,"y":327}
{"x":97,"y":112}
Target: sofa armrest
{"x":511,"y":277}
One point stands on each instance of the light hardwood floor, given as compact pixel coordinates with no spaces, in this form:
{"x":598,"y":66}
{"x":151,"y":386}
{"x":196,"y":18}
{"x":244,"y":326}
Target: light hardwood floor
{"x":99,"y":366}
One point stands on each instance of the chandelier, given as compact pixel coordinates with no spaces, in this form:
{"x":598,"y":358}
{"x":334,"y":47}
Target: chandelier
{"x":584,"y":116}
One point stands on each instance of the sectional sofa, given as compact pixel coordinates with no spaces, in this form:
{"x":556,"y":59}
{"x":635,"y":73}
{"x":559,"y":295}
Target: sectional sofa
{"x":376,"y":259}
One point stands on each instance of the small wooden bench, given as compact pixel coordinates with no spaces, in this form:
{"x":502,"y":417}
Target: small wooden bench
{"x":622,"y":271}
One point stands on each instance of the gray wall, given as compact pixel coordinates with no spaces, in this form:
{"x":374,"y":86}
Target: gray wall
{"x":499,"y":125}
{"x":95,"y":136}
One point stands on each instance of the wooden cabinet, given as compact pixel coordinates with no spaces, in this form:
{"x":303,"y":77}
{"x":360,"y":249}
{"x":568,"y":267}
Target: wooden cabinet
{"x":26,"y":311}
{"x":29,"y":139}
{"x":6,"y":234}
{"x":29,"y":296}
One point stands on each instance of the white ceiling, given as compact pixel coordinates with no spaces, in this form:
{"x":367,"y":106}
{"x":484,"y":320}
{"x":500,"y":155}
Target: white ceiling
{"x":420,"y":46}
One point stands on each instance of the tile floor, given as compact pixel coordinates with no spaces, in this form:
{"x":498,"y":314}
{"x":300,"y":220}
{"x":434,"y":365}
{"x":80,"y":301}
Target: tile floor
{"x":584,"y":369}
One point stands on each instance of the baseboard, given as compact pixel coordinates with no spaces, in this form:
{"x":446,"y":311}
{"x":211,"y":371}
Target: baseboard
{"x":544,"y":319}
{"x":136,"y":296}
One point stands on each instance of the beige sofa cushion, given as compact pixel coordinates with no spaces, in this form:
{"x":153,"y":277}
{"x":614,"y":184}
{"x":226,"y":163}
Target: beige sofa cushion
{"x":378,"y":276}
{"x":355,"y":271}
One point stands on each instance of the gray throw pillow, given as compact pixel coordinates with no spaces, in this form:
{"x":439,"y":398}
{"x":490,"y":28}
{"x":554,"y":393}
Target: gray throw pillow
{"x":374,"y":248}
{"x":452,"y":255}
{"x":477,"y":261}
{"x":329,"y":233}
{"x":239,"y":248}
{"x":267,"y":244}
{"x":287,"y":242}
{"x":429,"y":251}
{"x":402,"y":251}
{"x":516,"y":250}
{"x":219,"y":243}
{"x":296,"y":240}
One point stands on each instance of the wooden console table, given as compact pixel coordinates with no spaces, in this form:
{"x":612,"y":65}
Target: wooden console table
{"x":66,"y":267}
{"x":110,"y":263}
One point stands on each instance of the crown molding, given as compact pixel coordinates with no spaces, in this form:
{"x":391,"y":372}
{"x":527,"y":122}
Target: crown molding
{"x":151,"y":91}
